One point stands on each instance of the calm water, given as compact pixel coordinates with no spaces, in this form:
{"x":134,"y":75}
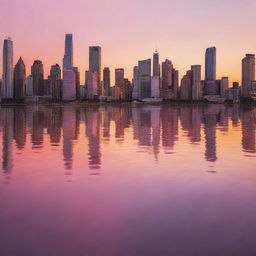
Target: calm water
{"x":128,"y":181}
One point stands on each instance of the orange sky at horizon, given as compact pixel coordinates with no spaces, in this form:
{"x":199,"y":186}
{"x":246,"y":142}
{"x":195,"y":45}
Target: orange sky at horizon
{"x":130,"y":31}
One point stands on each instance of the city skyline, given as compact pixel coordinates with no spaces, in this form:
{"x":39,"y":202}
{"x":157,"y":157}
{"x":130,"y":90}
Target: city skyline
{"x":124,"y":44}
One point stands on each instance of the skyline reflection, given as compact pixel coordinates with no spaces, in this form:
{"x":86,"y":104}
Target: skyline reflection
{"x":152,"y":128}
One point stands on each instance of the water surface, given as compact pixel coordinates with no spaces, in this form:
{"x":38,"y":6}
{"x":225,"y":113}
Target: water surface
{"x":128,"y":181}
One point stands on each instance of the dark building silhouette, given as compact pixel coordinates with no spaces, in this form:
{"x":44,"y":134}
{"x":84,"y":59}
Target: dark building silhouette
{"x":19,"y":127}
{"x":19,"y":80}
{"x":37,"y":71}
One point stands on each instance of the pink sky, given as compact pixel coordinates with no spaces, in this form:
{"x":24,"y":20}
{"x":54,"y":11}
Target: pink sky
{"x":128,"y":31}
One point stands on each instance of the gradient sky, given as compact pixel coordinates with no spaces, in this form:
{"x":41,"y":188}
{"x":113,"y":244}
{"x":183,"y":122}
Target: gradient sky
{"x":130,"y":30}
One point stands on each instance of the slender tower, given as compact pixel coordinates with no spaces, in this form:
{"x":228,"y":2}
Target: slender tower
{"x":68,"y":57}
{"x":210,"y":64}
{"x":7,"y":82}
{"x":95,"y":63}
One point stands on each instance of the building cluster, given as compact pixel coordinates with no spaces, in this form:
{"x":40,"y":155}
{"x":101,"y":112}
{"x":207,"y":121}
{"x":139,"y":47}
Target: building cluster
{"x":151,"y":81}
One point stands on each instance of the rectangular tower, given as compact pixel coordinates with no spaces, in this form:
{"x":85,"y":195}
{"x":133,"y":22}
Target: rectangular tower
{"x":7,"y":81}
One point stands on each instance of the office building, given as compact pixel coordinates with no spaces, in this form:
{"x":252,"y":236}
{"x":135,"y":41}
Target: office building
{"x":7,"y":77}
{"x":20,"y":80}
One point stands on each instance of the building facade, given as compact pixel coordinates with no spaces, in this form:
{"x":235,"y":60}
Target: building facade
{"x":37,"y":71}
{"x":248,"y":74}
{"x":69,"y":85}
{"x":7,"y":78}
{"x":68,"y":56}
{"x":20,"y":80}
{"x":144,"y":72}
{"x":210,"y":64}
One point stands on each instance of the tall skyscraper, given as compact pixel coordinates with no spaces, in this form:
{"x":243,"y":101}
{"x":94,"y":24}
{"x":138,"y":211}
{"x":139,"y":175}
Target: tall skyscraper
{"x":156,"y":67}
{"x":144,"y":79}
{"x":106,"y":81}
{"x":119,"y":77}
{"x":196,"y":79}
{"x":37,"y":71}
{"x":248,"y":73}
{"x":7,"y":81}
{"x":68,"y":57}
{"x":210,"y":64}
{"x":95,"y":63}
{"x":20,"y":80}
{"x":167,"y":70}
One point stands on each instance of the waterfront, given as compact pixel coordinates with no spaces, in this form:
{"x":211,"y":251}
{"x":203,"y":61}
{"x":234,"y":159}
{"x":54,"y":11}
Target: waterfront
{"x":122,"y":180}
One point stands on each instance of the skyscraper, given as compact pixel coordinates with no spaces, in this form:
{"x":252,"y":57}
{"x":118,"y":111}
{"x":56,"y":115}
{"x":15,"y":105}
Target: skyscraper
{"x":68,"y":57}
{"x":185,"y":89}
{"x":37,"y":71}
{"x":156,"y":67}
{"x":55,"y":83}
{"x":196,"y":79}
{"x":248,"y":73}
{"x":106,"y":81}
{"x":91,"y":79}
{"x":69,"y":85}
{"x":95,"y":62}
{"x":167,"y":70}
{"x":7,"y":82}
{"x":210,"y":64}
{"x":144,"y":79}
{"x":20,"y":80}
{"x":119,"y":77}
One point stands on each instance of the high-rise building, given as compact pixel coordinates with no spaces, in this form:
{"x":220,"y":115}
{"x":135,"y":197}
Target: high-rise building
{"x":210,"y":64}
{"x":144,"y":79}
{"x":167,"y":74}
{"x":55,"y":71}
{"x":106,"y":81}
{"x":20,"y":80}
{"x":186,"y":86}
{"x":119,"y":77}
{"x":91,"y":83}
{"x":55,"y":83}
{"x":37,"y":71}
{"x":7,"y":81}
{"x":156,"y":67}
{"x":95,"y":63}
{"x":224,"y":86}
{"x":196,"y":79}
{"x":135,"y":83}
{"x":69,"y":85}
{"x":248,"y":73}
{"x":175,"y":81}
{"x":29,"y":85}
{"x":68,"y":57}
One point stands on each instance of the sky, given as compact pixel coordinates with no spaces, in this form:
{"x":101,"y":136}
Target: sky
{"x":129,"y":31}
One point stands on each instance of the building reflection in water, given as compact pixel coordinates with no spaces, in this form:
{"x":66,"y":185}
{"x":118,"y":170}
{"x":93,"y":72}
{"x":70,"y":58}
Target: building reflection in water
{"x":154,"y":128}
{"x":92,"y":132}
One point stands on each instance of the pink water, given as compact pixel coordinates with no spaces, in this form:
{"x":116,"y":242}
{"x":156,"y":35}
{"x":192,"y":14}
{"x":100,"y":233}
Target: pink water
{"x":128,"y":181}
